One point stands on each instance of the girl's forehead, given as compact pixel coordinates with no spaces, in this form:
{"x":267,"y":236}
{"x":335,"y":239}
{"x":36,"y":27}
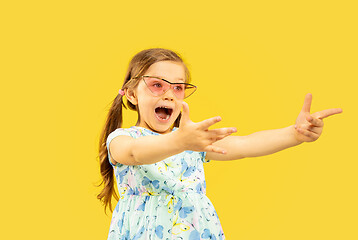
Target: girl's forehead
{"x":169,"y":70}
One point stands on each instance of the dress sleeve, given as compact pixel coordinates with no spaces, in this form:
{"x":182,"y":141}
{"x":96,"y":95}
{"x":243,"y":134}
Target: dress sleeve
{"x":203,"y":154}
{"x":111,"y":136}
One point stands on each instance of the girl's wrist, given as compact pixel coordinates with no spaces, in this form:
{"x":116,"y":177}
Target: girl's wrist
{"x":295,"y":135}
{"x":178,"y":141}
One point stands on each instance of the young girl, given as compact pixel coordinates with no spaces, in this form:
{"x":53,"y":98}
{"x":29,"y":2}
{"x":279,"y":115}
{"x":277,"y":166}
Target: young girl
{"x":158,"y":163}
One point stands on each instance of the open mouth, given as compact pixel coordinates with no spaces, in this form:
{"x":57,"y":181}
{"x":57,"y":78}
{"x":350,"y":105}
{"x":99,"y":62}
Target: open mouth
{"x":163,"y":113}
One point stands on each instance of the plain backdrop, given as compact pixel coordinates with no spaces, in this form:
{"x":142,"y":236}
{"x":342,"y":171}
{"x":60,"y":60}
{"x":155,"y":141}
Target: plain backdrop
{"x":63,"y":62}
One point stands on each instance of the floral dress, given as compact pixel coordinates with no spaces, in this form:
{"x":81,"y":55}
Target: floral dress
{"x":165,"y":200}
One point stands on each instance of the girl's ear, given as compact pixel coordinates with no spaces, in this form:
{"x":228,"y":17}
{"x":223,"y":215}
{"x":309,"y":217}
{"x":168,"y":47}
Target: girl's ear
{"x":131,"y":96}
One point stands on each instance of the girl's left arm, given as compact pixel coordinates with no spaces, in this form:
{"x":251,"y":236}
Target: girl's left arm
{"x":308,"y":128}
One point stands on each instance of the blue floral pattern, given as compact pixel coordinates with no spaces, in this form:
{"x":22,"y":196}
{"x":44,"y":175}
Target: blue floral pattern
{"x":165,"y":200}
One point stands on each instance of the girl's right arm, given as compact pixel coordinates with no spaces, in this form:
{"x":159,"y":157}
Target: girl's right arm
{"x":151,"y":149}
{"x":144,"y":150}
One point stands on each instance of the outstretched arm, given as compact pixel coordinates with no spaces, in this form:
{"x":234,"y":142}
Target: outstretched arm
{"x":256,"y":144}
{"x":308,"y":128}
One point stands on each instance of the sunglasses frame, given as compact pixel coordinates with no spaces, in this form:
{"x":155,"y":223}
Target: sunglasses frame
{"x":185,"y":84}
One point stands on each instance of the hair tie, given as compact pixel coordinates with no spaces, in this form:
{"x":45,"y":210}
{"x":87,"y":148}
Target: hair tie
{"x":121,"y":92}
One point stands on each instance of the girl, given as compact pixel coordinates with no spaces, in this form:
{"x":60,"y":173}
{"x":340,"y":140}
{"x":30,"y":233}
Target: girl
{"x":158,"y":163}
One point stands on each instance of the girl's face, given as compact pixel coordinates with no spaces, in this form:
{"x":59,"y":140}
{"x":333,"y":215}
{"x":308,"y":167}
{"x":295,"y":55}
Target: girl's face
{"x":151,"y":116}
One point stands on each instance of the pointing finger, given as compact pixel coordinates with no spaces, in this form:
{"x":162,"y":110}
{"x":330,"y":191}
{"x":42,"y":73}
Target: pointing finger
{"x":208,"y":122}
{"x":222,"y":131}
{"x":328,"y":112}
{"x":218,"y":134}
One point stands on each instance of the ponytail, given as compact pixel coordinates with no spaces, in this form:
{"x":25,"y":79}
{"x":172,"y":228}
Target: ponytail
{"x":114,"y":121}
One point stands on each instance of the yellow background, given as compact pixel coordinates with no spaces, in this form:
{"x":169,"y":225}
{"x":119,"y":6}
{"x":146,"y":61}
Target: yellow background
{"x":63,"y":62}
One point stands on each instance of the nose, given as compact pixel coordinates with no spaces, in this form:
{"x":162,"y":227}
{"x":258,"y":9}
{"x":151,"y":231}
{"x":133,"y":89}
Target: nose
{"x":169,"y":95}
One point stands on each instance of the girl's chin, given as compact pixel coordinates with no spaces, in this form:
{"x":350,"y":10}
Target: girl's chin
{"x":163,"y":127}
{"x":162,"y":130}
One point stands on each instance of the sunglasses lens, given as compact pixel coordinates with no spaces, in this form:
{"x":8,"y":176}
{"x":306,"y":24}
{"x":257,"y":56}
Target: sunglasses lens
{"x":156,"y":86}
{"x":179,"y":90}
{"x":159,"y":87}
{"x":189,"y":90}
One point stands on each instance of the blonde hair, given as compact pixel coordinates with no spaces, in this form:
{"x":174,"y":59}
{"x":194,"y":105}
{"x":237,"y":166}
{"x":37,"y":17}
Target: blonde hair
{"x":137,"y":67}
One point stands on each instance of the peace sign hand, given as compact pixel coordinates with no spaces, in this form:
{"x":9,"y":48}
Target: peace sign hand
{"x":308,"y":126}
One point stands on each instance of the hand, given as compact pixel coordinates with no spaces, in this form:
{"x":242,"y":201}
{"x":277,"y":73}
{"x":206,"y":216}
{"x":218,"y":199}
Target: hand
{"x":308,"y":126}
{"x":196,"y":136}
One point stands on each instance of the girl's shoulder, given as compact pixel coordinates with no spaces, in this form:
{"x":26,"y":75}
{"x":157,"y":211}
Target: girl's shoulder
{"x":132,"y":132}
